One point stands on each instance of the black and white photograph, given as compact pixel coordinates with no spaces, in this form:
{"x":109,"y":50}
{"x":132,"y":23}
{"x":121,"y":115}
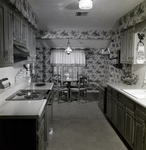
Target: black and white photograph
{"x":72,"y":74}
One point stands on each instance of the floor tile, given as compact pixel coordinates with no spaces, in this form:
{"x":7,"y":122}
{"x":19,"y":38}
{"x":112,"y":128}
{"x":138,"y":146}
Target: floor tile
{"x":82,"y":127}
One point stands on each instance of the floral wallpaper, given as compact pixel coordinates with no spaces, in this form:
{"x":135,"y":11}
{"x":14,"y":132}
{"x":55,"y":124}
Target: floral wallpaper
{"x":26,"y":10}
{"x":99,"y":68}
{"x":75,"y":34}
{"x":94,"y":68}
{"x":135,"y":16}
{"x":43,"y":69}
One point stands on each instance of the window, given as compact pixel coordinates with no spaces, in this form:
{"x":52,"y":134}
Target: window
{"x":73,"y":63}
{"x":59,"y":57}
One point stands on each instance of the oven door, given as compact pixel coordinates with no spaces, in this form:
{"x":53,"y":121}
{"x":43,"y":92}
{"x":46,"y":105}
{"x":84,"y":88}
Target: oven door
{"x":49,"y":118}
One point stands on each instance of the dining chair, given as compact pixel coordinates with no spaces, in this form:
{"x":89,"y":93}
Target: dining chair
{"x":75,"y":83}
{"x":81,"y":89}
{"x":60,"y":88}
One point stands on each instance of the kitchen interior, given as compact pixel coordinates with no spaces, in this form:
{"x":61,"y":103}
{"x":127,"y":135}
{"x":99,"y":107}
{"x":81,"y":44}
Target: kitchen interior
{"x":110,"y":34}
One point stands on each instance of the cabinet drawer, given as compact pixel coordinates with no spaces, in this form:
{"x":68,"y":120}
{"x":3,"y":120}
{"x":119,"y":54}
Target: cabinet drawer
{"x":114,"y":93}
{"x":122,"y":99}
{"x":140,"y":111}
{"x":130,"y":104}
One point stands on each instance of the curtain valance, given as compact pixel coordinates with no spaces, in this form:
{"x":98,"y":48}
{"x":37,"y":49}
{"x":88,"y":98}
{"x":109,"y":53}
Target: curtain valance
{"x":77,"y":57}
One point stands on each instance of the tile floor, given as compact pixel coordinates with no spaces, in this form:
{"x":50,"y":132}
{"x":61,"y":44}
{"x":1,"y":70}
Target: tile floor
{"x":82,"y":127}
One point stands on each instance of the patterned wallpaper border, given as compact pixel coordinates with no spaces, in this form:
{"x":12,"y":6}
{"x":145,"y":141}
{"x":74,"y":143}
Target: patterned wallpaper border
{"x":135,"y":16}
{"x":26,"y":10}
{"x":75,"y":34}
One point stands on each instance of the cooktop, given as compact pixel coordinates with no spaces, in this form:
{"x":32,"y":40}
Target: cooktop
{"x":27,"y":95}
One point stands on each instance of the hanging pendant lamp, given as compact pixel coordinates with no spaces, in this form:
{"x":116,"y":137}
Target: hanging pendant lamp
{"x":85,"y":4}
{"x":68,"y":50}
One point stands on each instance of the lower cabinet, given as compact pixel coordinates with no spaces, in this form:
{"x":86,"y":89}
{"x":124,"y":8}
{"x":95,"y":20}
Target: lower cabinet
{"x":108,"y":108}
{"x":114,"y":110}
{"x":22,"y":133}
{"x":128,"y":117}
{"x":140,"y":128}
{"x":129,"y":127}
{"x":120,"y":117}
{"x":102,"y":99}
{"x":139,"y":134}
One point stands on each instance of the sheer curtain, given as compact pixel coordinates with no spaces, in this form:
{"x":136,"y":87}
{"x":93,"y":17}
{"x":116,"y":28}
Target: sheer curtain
{"x":77,"y":57}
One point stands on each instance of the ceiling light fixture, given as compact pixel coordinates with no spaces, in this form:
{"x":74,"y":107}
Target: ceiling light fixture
{"x":85,"y":4}
{"x":68,"y":50}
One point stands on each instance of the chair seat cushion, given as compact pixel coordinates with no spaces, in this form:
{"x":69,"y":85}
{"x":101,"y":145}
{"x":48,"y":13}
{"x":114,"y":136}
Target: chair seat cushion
{"x":77,"y":89}
{"x":63,"y":89}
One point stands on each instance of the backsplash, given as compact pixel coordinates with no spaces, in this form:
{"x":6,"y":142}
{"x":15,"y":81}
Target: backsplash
{"x":10,"y":73}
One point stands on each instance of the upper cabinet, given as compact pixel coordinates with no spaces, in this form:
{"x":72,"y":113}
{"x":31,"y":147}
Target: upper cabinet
{"x":20,"y":30}
{"x":127,"y":46}
{"x":6,"y":36}
{"x":131,"y":53}
{"x":14,"y":29}
{"x":31,"y":41}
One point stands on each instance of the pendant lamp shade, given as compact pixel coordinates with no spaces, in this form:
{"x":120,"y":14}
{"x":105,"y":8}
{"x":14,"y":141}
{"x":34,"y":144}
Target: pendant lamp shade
{"x":85,"y":4}
{"x":68,"y":50}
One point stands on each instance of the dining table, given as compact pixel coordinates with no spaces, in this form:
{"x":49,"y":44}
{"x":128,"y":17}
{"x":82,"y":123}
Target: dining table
{"x":68,"y":81}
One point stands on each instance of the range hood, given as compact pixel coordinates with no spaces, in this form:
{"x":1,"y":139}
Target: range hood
{"x":20,"y":53}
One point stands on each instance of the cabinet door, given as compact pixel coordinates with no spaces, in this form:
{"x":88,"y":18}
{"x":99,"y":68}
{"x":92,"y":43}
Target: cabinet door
{"x":101,"y":98}
{"x":139,"y":134}
{"x":1,"y":33}
{"x":114,"y":111}
{"x":129,"y":127}
{"x":130,"y":45}
{"x":41,"y":142}
{"x":121,"y":117}
{"x":123,"y":47}
{"x":17,"y":28}
{"x":109,"y":105}
{"x":127,"y":46}
{"x":8,"y":37}
{"x":24,"y":32}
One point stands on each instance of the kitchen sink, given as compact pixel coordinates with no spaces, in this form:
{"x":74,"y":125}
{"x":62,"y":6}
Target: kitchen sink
{"x":138,"y":93}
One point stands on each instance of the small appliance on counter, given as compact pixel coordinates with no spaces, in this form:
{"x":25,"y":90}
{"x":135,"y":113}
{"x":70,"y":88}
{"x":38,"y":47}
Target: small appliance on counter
{"x":4,"y":83}
{"x":30,"y":71}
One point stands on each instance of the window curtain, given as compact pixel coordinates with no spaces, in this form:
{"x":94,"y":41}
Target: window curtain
{"x":77,"y":57}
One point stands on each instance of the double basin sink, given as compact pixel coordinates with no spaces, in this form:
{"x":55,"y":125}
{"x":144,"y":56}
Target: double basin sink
{"x":137,"y":93}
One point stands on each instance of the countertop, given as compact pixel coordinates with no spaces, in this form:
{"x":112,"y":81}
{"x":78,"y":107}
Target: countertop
{"x":24,"y":109}
{"x":120,"y":86}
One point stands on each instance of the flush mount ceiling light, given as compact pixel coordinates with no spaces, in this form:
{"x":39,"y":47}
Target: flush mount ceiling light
{"x":68,"y":50}
{"x":85,"y":4}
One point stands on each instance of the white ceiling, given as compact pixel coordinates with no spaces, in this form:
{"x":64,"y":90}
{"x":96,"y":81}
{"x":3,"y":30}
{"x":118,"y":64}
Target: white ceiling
{"x":60,"y":14}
